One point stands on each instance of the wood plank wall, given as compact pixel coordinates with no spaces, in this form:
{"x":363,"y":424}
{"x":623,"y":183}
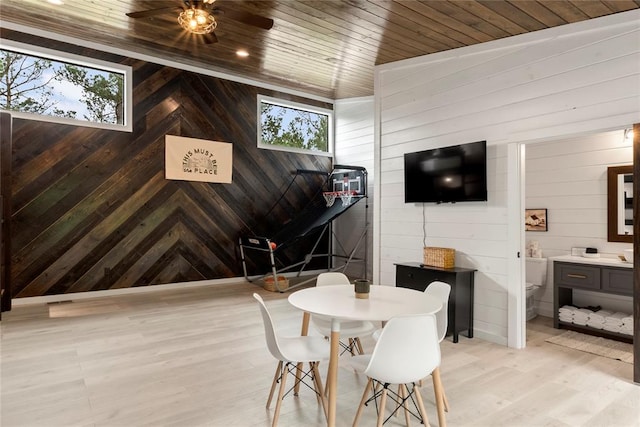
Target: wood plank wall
{"x":93,"y":211}
{"x":5,"y":210}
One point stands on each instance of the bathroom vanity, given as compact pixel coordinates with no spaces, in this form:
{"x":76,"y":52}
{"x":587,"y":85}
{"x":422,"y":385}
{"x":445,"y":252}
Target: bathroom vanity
{"x":601,"y":275}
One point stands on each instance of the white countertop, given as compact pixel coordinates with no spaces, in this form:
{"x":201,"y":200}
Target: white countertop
{"x":593,"y":261}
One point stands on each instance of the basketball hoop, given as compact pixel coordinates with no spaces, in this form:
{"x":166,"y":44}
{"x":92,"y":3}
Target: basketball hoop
{"x":331,"y":196}
{"x":345,"y":196}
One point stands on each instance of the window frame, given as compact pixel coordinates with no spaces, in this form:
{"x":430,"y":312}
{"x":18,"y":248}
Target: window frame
{"x":299,"y":106}
{"x":56,"y":55}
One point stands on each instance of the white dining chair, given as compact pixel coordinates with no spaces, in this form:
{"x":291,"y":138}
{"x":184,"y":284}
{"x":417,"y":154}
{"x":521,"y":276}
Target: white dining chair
{"x":406,"y":351}
{"x":441,"y":291}
{"x":350,"y":330}
{"x":291,"y":351}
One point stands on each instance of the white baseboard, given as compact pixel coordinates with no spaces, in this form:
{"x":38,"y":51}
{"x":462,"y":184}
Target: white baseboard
{"x":486,"y":336}
{"x":16,"y":302}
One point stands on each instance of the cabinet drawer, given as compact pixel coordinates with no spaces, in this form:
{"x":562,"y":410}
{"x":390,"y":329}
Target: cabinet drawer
{"x":412,"y":278}
{"x":577,"y":276}
{"x":617,"y":281}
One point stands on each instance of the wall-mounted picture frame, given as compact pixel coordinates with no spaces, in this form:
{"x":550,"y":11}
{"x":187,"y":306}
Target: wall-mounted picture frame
{"x":535,"y":220}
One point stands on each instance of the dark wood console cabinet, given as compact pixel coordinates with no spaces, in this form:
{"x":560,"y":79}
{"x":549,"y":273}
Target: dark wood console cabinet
{"x":568,"y":276}
{"x":460,"y":316}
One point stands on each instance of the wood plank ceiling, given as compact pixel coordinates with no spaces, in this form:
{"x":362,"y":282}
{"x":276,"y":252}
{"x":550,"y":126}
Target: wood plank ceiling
{"x":326,"y":48}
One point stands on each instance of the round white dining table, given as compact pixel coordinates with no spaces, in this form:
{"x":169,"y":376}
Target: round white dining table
{"x":340,"y":303}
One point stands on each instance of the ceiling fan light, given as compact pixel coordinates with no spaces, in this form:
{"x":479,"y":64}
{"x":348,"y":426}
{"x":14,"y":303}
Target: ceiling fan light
{"x":197,"y":21}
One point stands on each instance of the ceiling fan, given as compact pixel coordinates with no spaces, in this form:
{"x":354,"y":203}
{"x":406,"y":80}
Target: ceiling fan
{"x":197,"y":17}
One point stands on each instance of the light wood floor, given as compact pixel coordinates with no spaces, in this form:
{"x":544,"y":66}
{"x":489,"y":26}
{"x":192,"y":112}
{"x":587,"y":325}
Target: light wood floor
{"x":197,"y":357}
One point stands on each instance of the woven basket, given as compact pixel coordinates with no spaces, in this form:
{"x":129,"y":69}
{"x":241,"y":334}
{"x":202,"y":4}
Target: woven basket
{"x":269,"y":285}
{"x":439,"y":257}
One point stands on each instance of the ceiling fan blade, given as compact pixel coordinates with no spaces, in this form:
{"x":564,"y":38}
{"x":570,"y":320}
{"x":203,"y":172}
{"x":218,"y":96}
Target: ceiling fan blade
{"x":249,"y":18}
{"x":209,"y":38}
{"x":152,"y":12}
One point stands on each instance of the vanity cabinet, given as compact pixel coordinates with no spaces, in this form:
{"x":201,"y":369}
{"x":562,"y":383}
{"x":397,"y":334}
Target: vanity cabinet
{"x":460,"y":313}
{"x":606,"y":279}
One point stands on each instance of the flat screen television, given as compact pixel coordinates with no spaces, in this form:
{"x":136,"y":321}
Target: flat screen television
{"x":444,"y":175}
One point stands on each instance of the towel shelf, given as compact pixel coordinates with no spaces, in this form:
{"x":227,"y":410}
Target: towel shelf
{"x":605,"y":279}
{"x":596,"y":332}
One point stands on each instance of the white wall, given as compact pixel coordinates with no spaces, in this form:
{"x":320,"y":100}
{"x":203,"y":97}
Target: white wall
{"x":569,"y":80}
{"x":354,"y":147}
{"x":568,"y":177}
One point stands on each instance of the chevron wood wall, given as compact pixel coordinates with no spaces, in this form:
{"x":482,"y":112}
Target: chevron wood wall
{"x":91,"y":209}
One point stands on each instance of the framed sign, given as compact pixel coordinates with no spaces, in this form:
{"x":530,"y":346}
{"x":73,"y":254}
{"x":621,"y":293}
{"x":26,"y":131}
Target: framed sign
{"x":191,"y":159}
{"x":535,"y":220}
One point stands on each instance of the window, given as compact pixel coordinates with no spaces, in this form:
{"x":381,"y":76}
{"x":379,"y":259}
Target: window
{"x":41,"y":84}
{"x":291,"y":126}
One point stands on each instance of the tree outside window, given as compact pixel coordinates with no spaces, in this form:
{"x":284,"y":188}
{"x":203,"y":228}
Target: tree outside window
{"x":294,"y":127}
{"x":43,"y":86}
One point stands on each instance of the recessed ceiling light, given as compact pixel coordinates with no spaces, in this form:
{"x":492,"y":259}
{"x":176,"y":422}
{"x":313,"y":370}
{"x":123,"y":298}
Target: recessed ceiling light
{"x":57,"y":2}
{"x":242,"y":53}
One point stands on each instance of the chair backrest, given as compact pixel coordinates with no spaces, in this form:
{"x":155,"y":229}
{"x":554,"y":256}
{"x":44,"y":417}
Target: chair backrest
{"x":269,"y":329}
{"x":440,"y":290}
{"x":332,"y":278}
{"x":407,"y":350}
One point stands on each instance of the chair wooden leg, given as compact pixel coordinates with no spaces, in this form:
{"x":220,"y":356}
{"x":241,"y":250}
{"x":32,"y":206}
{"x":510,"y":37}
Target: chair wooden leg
{"x":304,"y":331}
{"x":326,"y":386}
{"x":319,"y":394}
{"x":404,"y":392}
{"x":273,"y":384}
{"x":296,"y":387}
{"x":367,"y":390}
{"x":423,"y":411}
{"x":444,"y":395}
{"x":359,"y":345}
{"x":317,"y":381}
{"x":437,"y":389}
{"x":276,"y":414}
{"x":352,"y":345}
{"x":381,"y":409}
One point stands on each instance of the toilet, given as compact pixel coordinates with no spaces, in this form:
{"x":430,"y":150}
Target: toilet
{"x":536,"y":278}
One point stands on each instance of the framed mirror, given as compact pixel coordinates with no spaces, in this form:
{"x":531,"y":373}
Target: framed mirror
{"x":620,"y":204}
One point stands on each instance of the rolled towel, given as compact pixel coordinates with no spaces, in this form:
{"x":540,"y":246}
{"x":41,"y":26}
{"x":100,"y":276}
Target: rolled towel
{"x":615,"y":320}
{"x":580,"y":322}
{"x":595,"y":324}
{"x":616,"y":317}
{"x":598,"y":327}
{"x":567,"y":309}
{"x":613,"y":324}
{"x":627,"y":320}
{"x":582,"y":313}
{"x":626,"y":331}
{"x":611,"y":328}
{"x":600,"y":315}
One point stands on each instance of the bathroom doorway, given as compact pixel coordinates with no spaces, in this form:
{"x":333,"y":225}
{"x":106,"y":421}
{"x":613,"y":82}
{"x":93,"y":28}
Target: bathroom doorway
{"x":566,"y":176}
